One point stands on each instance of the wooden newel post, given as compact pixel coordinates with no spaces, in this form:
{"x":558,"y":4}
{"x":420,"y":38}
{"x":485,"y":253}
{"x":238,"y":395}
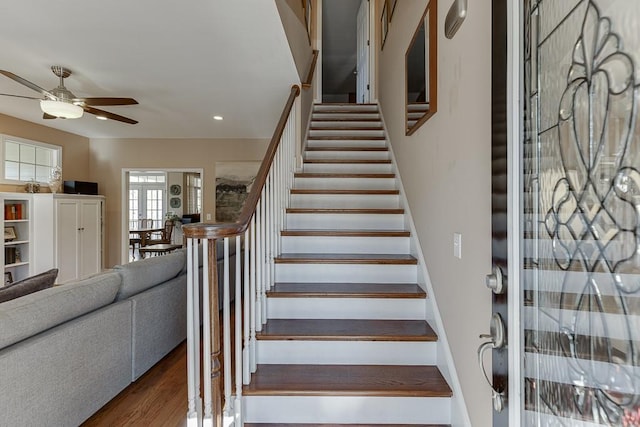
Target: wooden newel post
{"x":216,"y":353}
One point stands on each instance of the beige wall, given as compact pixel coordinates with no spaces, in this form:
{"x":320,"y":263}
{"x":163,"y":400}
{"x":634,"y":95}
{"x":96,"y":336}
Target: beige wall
{"x":110,"y":156}
{"x":446,"y":171}
{"x":293,"y":21}
{"x":75,"y":148}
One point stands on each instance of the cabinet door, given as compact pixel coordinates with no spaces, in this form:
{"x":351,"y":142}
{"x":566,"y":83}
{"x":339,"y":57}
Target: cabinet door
{"x":90,"y":237}
{"x":68,"y":232}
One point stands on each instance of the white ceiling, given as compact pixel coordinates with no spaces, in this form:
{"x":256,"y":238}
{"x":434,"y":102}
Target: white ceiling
{"x":183,"y":61}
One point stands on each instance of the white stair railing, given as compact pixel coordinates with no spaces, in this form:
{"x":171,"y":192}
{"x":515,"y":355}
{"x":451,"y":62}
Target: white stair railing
{"x":257,"y":244}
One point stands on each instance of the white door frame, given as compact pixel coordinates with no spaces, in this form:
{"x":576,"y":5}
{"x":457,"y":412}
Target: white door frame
{"x":514,"y":134}
{"x":363,"y":86}
{"x":373,"y":92}
{"x":124,"y":193}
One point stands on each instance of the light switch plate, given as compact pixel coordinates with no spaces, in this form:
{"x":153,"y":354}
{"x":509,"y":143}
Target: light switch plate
{"x":457,"y":245}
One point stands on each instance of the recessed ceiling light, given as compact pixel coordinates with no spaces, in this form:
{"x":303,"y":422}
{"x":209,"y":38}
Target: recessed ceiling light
{"x":217,"y":117}
{"x":101,"y":118}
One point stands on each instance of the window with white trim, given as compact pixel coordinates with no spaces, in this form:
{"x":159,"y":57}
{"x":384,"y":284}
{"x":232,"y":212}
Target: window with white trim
{"x":25,"y":160}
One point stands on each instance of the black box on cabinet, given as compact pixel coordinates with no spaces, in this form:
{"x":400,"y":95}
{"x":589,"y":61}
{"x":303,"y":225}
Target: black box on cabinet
{"x":81,"y":187}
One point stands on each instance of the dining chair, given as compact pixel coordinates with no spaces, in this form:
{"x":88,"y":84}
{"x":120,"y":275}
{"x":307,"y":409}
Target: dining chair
{"x":135,"y":241}
{"x":166,"y":234}
{"x":146,"y":223}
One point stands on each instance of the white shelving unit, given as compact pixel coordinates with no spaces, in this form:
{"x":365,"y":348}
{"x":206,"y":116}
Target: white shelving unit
{"x":17,"y":253}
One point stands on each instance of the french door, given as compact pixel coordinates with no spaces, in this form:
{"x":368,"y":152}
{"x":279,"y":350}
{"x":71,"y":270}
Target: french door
{"x":146,"y":203}
{"x":578,"y":305}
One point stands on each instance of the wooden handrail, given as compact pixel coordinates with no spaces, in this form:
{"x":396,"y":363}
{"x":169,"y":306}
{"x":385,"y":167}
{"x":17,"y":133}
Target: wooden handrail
{"x":309,"y":80}
{"x":221,"y":230}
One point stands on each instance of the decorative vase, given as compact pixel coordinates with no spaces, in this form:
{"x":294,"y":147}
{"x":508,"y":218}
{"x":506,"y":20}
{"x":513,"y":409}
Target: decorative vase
{"x":55,"y":182}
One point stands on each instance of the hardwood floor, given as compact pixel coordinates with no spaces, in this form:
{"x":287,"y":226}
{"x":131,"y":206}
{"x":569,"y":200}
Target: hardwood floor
{"x":158,"y":398}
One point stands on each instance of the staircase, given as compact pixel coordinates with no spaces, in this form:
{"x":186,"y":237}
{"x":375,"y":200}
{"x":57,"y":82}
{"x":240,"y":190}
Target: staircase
{"x":346,"y":340}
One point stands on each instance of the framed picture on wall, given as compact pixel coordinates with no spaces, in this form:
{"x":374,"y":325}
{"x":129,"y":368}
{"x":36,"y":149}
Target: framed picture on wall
{"x":392,"y":8}
{"x":384,"y":23}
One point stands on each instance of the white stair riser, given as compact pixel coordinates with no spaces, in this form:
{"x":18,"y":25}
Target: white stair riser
{"x":345,"y":107}
{"x":346,"y":183}
{"x":347,"y":409}
{"x":354,"y":155}
{"x":351,"y":143}
{"x":345,"y":124}
{"x":345,"y":245}
{"x":347,"y":308}
{"x":346,"y":132}
{"x":350,"y":116}
{"x":346,"y":352}
{"x":348,"y":167}
{"x":345,"y":273}
{"x":345,"y":221}
{"x":344,"y":201}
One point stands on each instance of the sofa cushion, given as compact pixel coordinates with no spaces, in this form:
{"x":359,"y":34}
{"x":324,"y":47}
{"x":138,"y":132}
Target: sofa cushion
{"x":29,"y":285}
{"x":27,"y":316}
{"x":141,"y":275}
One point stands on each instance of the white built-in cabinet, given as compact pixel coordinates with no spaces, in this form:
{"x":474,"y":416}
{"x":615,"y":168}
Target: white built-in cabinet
{"x":17,"y":244}
{"x":69,"y":235}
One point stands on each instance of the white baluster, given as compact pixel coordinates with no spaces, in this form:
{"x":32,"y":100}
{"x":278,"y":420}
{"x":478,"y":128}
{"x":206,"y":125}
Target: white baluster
{"x":206,"y":331}
{"x":238,"y":312}
{"x":193,"y":332}
{"x":253,"y":304}
{"x":226,"y":328}
{"x":263,"y":261}
{"x":246,"y":306}
{"x":258,"y":266}
{"x":267,"y":236}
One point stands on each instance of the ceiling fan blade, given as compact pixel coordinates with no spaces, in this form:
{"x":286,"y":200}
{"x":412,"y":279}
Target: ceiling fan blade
{"x":48,"y":116}
{"x":28,"y":84}
{"x":108,"y":115}
{"x":19,"y":96}
{"x":106,"y":101}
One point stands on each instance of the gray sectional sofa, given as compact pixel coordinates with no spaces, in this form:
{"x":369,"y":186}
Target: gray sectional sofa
{"x":67,"y":350}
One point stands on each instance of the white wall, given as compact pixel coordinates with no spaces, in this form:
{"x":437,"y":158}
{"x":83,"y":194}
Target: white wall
{"x":446,"y":170}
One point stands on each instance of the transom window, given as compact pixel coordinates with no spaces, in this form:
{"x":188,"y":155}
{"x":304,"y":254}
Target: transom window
{"x":25,"y":160}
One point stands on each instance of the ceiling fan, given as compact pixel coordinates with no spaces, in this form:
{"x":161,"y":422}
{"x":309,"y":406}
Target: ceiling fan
{"x":61,"y":103}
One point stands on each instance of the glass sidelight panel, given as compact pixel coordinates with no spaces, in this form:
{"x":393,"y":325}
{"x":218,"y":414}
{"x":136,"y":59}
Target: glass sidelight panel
{"x":580,"y":213}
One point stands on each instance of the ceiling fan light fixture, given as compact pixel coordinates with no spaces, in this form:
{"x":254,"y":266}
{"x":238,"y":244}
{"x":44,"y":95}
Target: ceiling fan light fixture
{"x":61,"y":109}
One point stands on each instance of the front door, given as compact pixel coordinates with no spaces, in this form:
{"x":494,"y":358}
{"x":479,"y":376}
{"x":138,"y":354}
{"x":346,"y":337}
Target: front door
{"x":579,"y":287}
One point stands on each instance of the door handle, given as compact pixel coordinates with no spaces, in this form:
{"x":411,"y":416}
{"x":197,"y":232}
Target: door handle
{"x":497,"y":339}
{"x":495,"y":281}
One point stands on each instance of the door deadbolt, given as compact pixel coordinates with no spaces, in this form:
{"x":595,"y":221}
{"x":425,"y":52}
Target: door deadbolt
{"x":495,"y":281}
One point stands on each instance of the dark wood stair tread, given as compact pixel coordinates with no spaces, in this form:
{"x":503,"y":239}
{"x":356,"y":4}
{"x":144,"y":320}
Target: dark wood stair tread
{"x":347,"y":137}
{"x":396,"y":259}
{"x":341,"y":128}
{"x":345,"y":119}
{"x":346,"y":233}
{"x":382,"y":211}
{"x":347,"y":148}
{"x":346,"y":290}
{"x":348,"y":380}
{"x":324,"y":191}
{"x":358,"y":161}
{"x":342,"y":425}
{"x":347,"y":330}
{"x":343,"y":175}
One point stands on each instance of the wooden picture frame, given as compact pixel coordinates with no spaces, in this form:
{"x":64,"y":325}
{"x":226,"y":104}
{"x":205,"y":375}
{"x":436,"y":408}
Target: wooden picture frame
{"x":384,"y":23}
{"x":10,"y":234}
{"x":392,"y":8}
